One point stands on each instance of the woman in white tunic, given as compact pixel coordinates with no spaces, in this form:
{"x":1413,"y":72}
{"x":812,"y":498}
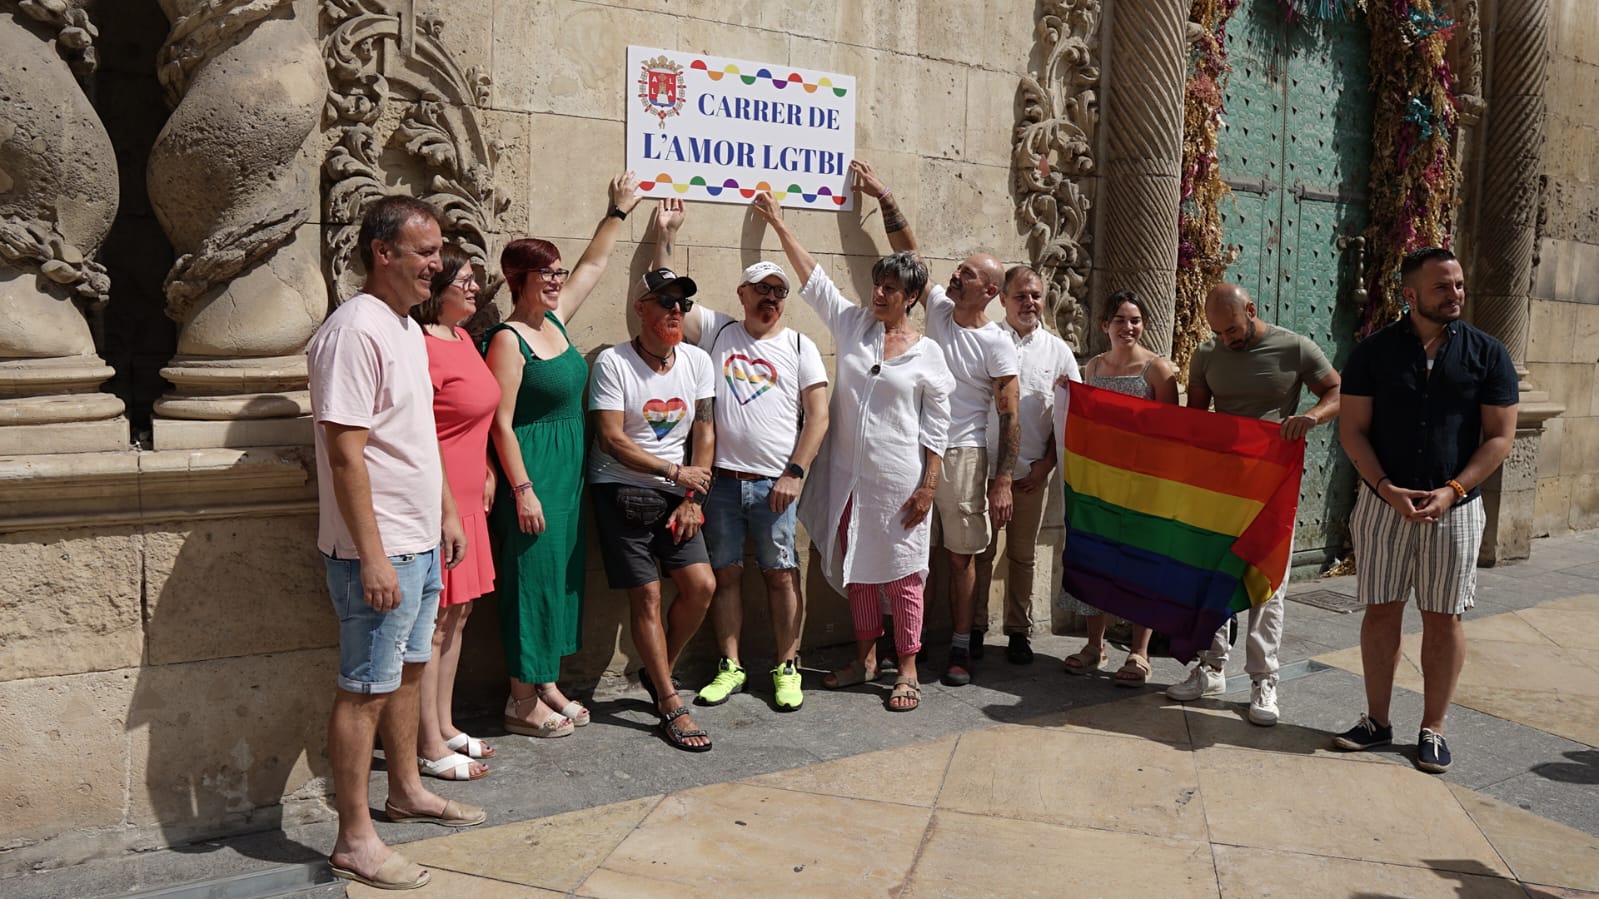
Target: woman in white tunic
{"x":873,"y":483}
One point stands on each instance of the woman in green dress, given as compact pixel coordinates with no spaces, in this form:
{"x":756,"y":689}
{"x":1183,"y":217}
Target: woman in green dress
{"x":538,"y":439}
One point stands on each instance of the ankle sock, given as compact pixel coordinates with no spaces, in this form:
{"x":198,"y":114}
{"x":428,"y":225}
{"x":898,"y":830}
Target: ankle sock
{"x":962,"y":642}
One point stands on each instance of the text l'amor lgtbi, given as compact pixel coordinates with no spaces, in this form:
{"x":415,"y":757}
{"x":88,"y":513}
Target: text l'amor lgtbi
{"x":724,"y":152}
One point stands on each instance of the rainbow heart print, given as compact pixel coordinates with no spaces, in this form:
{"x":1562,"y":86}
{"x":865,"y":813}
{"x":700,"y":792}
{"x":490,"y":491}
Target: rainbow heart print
{"x":664,"y":415}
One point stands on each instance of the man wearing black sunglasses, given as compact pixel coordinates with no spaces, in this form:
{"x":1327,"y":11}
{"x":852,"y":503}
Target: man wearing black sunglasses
{"x":654,"y":431}
{"x":771,"y":414}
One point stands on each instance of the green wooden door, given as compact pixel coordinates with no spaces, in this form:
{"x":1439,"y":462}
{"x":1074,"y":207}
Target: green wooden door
{"x":1295,"y":147}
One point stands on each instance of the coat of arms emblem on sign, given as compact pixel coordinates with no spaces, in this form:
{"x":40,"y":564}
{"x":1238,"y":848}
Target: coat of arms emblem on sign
{"x":661,"y":88}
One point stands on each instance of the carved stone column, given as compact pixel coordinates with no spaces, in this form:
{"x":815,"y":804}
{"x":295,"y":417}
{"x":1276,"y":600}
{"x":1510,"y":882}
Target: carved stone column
{"x":58,"y":196}
{"x":1512,"y":164}
{"x":1054,"y":159}
{"x":233,"y":179}
{"x":1145,"y":71}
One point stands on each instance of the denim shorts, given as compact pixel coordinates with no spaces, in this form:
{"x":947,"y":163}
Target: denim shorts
{"x":737,"y":507}
{"x":373,"y":645}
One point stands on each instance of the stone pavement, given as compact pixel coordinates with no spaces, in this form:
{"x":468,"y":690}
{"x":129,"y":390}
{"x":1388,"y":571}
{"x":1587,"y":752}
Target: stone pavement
{"x":1030,"y":782}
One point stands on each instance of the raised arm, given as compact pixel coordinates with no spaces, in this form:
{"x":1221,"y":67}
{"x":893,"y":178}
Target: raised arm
{"x":586,"y":273}
{"x":669,"y":216}
{"x":800,"y":258}
{"x":900,"y":236}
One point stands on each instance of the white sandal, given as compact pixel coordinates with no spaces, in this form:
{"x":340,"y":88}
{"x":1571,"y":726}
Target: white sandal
{"x":471,"y":747}
{"x":573,"y":709}
{"x":452,"y":767}
{"x":556,"y":725}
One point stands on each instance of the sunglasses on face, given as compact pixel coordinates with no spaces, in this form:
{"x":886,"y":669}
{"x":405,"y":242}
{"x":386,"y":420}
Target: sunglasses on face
{"x":670,"y":303}
{"x":776,"y":291}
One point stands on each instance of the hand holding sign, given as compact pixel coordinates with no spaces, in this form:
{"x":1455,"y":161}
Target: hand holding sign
{"x":768,"y":207}
{"x":668,"y":216}
{"x":624,"y":192}
{"x":866,"y":180}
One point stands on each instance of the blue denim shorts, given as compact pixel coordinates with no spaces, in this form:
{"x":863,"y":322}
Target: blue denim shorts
{"x":373,"y":645}
{"x":737,"y":507}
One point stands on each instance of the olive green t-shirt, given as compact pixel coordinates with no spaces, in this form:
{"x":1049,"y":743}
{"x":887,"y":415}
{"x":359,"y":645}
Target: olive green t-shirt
{"x":1263,"y":380}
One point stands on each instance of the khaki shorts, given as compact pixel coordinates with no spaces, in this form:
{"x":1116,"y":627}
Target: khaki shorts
{"x":962,"y":500}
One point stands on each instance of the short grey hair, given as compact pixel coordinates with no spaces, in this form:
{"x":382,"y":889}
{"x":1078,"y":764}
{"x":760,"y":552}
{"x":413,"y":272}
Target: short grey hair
{"x":906,"y":268}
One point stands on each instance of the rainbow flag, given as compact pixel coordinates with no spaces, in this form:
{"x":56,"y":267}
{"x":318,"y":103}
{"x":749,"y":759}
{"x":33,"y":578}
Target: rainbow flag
{"x":1176,"y":518}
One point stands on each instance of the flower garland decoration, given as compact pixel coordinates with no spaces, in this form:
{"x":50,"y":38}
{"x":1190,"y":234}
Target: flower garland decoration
{"x":1319,"y":9}
{"x":1415,"y":177}
{"x":1202,"y":258}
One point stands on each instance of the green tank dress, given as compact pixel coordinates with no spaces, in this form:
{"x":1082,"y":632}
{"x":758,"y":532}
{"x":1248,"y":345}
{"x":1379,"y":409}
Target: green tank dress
{"x":540,"y":576}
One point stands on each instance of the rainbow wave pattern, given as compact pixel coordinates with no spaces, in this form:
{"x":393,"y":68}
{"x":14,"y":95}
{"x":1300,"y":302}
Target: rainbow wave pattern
{"x":765,"y":73}
{"x":748,"y":193}
{"x":1176,"y":518}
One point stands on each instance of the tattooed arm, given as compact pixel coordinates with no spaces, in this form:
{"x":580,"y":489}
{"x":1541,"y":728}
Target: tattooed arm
{"x":900,"y":237}
{"x":1000,"y":506}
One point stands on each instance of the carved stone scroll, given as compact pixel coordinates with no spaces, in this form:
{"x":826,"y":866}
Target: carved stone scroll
{"x":58,"y":196}
{"x":232,"y":178}
{"x":1054,"y":152}
{"x":1142,"y":189}
{"x":386,"y":66}
{"x":1512,"y":160}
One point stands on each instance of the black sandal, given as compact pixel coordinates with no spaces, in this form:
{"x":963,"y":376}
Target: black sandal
{"x":679,"y":737}
{"x":649,"y":686}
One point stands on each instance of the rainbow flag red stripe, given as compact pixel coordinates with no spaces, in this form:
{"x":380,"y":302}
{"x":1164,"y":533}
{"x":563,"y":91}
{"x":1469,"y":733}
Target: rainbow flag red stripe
{"x":1176,"y":518}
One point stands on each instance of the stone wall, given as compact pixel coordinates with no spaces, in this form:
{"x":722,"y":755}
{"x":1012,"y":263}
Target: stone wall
{"x":166,"y":647}
{"x":1563,"y":351}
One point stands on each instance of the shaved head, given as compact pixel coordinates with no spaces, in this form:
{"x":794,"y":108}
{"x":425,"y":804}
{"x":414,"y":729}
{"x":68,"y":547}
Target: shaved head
{"x":1231,"y":315}
{"x":1226,"y":298}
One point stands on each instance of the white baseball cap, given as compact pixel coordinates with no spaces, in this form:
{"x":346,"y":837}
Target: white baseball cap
{"x":762,"y":270}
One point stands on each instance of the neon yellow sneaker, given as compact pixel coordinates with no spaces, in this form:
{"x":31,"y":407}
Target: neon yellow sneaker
{"x":729,"y":679}
{"x":786,"y":684}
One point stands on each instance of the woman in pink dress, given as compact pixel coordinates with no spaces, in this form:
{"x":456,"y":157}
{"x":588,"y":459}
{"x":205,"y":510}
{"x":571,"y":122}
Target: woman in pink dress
{"x":465,"y":396}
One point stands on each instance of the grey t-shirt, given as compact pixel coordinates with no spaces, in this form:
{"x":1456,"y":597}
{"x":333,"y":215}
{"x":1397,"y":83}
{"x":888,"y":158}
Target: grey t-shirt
{"x":1263,"y":380}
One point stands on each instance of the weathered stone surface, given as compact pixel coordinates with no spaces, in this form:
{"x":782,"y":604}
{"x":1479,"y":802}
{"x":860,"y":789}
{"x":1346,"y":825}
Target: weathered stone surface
{"x":211,"y":742}
{"x":237,"y":587}
{"x":68,"y":735}
{"x":571,"y":160}
{"x":71,"y":602}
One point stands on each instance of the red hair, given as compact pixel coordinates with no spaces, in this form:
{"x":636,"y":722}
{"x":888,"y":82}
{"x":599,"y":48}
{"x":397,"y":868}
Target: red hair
{"x":523,"y":256}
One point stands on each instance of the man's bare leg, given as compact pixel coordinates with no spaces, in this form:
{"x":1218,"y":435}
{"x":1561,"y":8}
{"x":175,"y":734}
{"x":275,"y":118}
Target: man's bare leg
{"x":1443,"y":653}
{"x":1380,"y":631}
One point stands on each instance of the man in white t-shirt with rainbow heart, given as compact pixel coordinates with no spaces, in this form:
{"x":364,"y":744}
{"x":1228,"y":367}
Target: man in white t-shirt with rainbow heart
{"x":771,"y":415}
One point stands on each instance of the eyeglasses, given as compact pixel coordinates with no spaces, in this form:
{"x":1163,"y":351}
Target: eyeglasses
{"x":669,"y":303}
{"x":465,"y":281}
{"x":552,"y":274}
{"x":769,"y":290}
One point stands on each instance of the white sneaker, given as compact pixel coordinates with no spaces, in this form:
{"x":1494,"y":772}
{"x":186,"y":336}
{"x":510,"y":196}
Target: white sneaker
{"x":1202,"y":681}
{"x":1263,"y":703}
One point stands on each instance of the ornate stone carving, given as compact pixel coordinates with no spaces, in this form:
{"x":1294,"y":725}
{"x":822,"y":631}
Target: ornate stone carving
{"x":1054,"y":150}
{"x":1142,"y":185}
{"x":383,"y":68}
{"x":1512,"y":161}
{"x":233,"y":184}
{"x":58,"y":196}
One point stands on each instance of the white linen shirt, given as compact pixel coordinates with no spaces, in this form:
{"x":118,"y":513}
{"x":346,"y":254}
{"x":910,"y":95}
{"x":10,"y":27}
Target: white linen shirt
{"x":873,"y":451}
{"x":1041,"y":357}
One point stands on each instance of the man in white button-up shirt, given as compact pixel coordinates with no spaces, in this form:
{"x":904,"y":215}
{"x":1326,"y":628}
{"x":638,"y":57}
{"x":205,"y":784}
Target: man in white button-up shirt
{"x":1042,"y":359}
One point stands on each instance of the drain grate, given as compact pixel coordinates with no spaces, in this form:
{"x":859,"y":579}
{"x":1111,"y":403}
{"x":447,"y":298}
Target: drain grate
{"x":1327,"y":599}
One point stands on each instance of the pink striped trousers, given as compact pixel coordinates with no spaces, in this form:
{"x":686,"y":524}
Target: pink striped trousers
{"x":867,"y":602}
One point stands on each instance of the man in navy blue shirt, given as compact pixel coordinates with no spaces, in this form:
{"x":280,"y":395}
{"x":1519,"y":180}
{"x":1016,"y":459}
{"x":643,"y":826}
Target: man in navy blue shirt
{"x":1429,"y":413}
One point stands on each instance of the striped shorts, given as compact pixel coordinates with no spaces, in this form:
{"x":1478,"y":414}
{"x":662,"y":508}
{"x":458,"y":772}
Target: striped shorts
{"x":1394,"y":556}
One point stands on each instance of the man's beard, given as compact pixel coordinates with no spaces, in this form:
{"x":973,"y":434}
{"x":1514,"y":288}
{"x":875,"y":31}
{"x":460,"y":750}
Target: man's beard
{"x":668,"y":332}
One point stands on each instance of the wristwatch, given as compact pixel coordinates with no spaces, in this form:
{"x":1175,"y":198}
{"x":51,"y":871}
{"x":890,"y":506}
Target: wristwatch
{"x":795,"y":470}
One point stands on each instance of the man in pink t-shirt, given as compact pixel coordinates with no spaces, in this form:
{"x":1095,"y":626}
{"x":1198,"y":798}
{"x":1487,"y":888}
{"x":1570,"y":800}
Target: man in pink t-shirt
{"x":383,"y":506}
